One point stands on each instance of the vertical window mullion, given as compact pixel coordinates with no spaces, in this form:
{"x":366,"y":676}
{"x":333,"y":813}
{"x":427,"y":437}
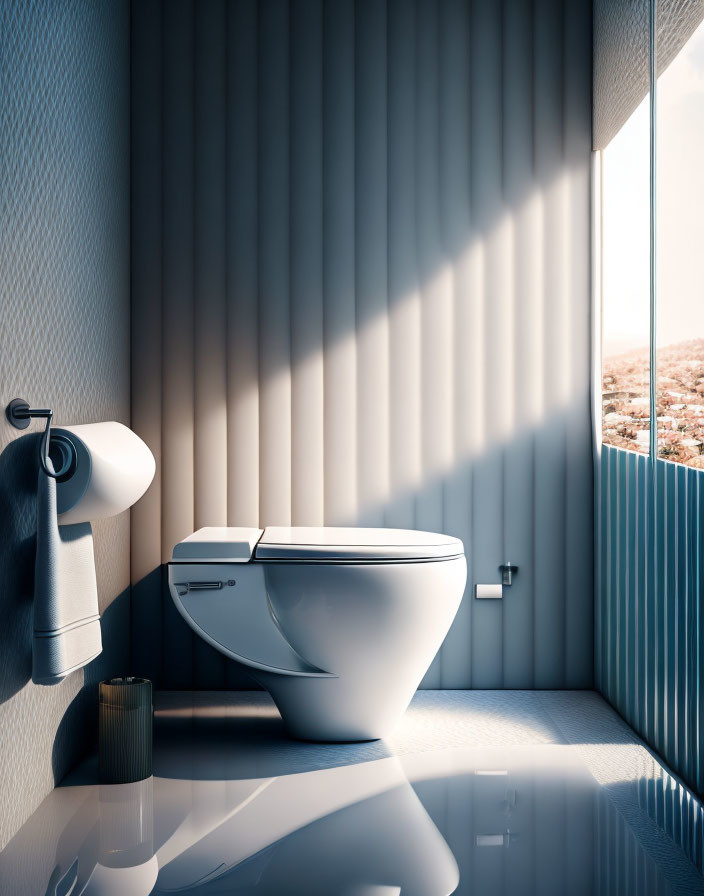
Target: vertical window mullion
{"x":653,"y":160}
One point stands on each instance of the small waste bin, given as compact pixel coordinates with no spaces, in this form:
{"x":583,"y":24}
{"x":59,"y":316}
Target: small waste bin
{"x":124,"y":730}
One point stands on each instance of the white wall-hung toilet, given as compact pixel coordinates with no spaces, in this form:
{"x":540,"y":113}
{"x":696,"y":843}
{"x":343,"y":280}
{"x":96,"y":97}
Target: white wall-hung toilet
{"x":339,"y":625}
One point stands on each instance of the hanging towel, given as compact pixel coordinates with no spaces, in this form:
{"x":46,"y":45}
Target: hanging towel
{"x":66,"y":616}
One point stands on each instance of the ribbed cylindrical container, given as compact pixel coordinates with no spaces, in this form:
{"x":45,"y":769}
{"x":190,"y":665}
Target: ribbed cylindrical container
{"x":125,"y":730}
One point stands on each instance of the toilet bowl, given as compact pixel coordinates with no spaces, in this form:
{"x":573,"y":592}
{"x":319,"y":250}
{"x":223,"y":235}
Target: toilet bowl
{"x":339,"y":625}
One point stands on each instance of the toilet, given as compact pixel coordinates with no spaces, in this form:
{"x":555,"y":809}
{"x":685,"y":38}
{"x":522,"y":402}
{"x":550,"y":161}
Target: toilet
{"x":339,"y":625}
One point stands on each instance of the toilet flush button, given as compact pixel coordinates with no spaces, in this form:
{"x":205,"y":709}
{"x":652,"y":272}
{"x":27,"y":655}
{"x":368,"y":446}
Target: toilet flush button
{"x":185,"y":588}
{"x":489,"y":591}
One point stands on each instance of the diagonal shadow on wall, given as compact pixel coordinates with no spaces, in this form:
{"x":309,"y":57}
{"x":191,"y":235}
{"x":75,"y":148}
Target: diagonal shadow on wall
{"x":360,"y":294}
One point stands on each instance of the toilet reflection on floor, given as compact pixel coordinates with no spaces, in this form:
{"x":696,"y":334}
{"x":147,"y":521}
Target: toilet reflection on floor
{"x":357,"y":829}
{"x":501,"y":820}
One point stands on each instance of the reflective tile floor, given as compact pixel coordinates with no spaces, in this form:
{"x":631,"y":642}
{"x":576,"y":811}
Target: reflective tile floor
{"x":477,"y":793}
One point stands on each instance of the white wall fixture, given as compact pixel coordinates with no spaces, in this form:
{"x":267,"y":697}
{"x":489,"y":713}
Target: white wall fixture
{"x":338,"y":624}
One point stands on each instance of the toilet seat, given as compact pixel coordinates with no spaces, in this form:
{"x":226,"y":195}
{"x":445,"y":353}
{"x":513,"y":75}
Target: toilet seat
{"x":310,"y":544}
{"x":331,"y":544}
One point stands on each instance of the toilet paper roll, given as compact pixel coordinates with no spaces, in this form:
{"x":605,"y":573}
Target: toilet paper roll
{"x":112,"y":469}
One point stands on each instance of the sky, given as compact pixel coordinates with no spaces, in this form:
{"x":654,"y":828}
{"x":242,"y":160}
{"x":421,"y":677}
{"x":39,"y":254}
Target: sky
{"x":680,"y":213}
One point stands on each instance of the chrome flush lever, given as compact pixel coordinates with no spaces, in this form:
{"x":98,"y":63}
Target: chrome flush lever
{"x":185,"y":587}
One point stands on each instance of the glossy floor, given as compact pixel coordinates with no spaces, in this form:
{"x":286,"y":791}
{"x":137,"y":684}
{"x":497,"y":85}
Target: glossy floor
{"x":477,"y":793}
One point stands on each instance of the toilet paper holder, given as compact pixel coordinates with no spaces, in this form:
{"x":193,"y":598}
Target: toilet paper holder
{"x":63,"y":454}
{"x":507,"y":570}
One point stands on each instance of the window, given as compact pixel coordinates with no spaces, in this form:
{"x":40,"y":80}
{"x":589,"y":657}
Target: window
{"x":680,"y":256}
{"x":625,"y":259}
{"x":677,"y":243}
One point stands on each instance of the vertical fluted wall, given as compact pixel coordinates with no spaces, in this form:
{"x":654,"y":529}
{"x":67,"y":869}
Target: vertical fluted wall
{"x":649,"y":660}
{"x":361,"y":296}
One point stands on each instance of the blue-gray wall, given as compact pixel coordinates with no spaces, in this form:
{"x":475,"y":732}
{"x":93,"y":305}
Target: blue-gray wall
{"x":64,"y":342}
{"x":649,"y":621}
{"x":360,"y":243}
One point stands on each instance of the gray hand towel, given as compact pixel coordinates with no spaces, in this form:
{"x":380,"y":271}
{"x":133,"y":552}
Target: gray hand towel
{"x":66,"y":615}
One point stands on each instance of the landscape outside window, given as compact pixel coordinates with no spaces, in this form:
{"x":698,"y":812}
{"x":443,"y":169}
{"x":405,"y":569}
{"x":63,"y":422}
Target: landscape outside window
{"x":679,"y":381}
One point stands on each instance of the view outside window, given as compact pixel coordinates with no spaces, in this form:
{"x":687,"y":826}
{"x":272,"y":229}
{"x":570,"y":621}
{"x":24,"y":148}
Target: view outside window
{"x":625,"y":248}
{"x":680,"y":256}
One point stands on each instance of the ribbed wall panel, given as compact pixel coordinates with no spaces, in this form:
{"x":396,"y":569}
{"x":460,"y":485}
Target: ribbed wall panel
{"x":209,"y":292}
{"x":178,"y":312}
{"x":363,"y":298}
{"x":307,"y":253}
{"x":648,"y":617}
{"x":242,"y":172}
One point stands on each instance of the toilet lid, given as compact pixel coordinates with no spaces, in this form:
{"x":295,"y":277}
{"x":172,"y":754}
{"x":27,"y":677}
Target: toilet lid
{"x":335,"y":543}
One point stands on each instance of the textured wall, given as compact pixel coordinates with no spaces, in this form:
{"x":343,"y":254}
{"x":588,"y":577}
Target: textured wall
{"x":64,"y":341}
{"x":649,"y":627}
{"x":361,"y":295}
{"x":622,"y":55}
